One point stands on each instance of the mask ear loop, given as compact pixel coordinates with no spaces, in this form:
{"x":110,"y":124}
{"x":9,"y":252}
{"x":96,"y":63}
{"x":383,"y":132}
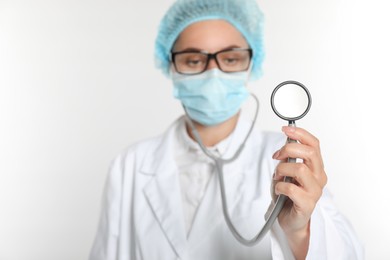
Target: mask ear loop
{"x":249,"y":73}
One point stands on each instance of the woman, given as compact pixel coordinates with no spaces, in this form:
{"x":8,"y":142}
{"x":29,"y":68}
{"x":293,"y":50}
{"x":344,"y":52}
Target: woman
{"x":162,"y":199}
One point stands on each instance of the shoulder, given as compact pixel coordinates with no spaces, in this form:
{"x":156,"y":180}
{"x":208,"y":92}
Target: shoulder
{"x":150,"y":147}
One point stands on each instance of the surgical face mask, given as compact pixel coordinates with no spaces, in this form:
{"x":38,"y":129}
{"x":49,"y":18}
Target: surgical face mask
{"x":213,"y":96}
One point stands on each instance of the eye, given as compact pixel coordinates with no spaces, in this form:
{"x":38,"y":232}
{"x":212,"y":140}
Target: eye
{"x":193,"y":62}
{"x":231,"y":61}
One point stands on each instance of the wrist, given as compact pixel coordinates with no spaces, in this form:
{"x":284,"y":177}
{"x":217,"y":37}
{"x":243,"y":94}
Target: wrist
{"x":299,"y":241}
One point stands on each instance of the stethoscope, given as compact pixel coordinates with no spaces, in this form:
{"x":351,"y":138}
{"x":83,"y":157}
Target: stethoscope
{"x":291,"y":101}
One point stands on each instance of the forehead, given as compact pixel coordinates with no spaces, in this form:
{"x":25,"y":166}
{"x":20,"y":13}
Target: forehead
{"x":210,"y":36}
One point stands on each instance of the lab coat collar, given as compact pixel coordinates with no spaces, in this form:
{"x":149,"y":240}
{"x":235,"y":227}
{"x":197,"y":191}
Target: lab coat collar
{"x":225,"y":148}
{"x":163,"y":159}
{"x":190,"y":145}
{"x":237,"y":137}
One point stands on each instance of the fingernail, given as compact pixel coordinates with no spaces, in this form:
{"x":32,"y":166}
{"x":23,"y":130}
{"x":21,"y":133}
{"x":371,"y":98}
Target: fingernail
{"x":288,"y":129}
{"x":276,"y":154}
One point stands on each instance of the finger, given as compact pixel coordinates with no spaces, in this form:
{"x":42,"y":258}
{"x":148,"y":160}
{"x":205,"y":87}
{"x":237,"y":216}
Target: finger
{"x":306,"y":138}
{"x":296,"y":150}
{"x":300,"y":173}
{"x":310,"y":156}
{"x":302,"y":200}
{"x":301,"y":135}
{"x":275,"y":180}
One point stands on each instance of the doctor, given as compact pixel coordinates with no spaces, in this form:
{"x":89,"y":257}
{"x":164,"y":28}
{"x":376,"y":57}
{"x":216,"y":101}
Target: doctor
{"x":162,"y":200}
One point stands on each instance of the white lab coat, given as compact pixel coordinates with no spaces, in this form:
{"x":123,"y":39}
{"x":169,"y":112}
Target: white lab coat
{"x":142,"y":216}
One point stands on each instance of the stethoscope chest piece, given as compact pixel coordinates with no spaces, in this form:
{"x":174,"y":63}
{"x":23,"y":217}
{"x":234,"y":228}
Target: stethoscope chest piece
{"x":291,"y":100}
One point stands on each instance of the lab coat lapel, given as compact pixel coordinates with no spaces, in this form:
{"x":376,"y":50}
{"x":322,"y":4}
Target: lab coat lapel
{"x":163,"y":194}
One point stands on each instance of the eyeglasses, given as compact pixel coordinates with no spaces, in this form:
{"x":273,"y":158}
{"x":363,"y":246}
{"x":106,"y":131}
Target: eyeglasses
{"x":196,"y":62}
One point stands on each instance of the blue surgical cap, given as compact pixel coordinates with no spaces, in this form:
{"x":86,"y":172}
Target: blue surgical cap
{"x":244,"y":15}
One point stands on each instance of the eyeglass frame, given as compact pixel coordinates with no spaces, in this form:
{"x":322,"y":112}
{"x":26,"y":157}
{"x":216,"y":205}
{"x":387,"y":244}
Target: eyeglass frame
{"x":209,"y":57}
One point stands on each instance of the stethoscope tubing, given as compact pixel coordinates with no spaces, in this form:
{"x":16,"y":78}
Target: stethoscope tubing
{"x":219,"y":162}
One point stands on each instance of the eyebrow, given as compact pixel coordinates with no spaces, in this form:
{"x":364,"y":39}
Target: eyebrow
{"x":198,"y":49}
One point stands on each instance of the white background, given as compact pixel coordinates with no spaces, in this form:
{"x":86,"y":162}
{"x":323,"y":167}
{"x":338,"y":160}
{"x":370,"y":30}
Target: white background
{"x":78,"y":84}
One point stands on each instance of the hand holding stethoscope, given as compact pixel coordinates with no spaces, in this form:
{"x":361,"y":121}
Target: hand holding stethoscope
{"x":301,"y":182}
